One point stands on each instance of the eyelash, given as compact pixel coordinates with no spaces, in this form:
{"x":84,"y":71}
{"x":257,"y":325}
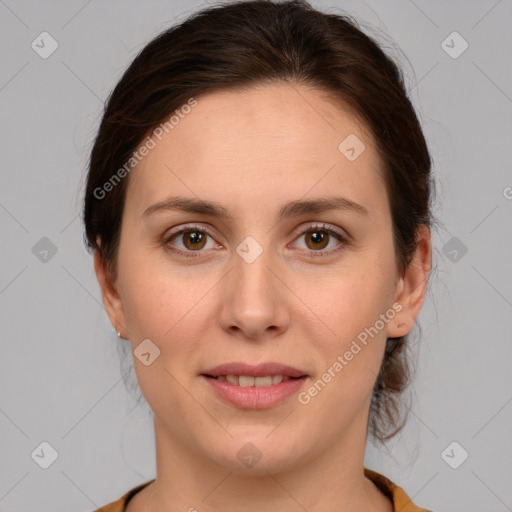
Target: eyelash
{"x":315,"y":227}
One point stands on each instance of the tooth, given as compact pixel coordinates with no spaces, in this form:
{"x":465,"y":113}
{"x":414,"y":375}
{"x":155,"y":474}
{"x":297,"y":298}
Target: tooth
{"x":245,"y":381}
{"x":249,"y":381}
{"x":261,"y":382}
{"x":232,"y":379}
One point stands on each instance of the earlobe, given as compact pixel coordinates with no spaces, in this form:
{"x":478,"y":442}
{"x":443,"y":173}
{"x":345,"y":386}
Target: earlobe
{"x":412,"y":286}
{"x":111,"y":299}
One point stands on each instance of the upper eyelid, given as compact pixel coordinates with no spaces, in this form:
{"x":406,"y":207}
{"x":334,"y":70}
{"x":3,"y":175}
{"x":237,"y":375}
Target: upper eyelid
{"x":297,"y":232}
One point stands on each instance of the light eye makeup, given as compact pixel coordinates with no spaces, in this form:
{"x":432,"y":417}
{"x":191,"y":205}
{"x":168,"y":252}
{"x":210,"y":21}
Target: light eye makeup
{"x":195,"y":234}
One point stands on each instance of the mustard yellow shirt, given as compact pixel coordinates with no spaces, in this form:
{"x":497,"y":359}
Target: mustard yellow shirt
{"x":401,"y":502}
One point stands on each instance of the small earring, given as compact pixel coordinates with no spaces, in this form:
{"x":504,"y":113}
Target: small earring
{"x":118,"y":334}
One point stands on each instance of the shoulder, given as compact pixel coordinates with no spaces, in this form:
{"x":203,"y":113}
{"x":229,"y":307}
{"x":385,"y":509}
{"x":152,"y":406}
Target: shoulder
{"x":401,"y":501}
{"x":120,"y":504}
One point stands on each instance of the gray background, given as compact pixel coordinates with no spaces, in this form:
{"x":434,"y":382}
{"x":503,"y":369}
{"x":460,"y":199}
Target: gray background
{"x":60,"y":372}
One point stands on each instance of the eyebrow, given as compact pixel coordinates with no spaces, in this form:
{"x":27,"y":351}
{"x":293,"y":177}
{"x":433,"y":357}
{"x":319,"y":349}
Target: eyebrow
{"x":290,"y":209}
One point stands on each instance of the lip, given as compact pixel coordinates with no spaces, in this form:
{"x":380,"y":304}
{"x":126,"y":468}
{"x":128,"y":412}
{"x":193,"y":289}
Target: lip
{"x":260,"y":370}
{"x":254,"y":397}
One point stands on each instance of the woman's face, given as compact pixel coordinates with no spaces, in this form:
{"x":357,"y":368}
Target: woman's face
{"x":264,"y":283}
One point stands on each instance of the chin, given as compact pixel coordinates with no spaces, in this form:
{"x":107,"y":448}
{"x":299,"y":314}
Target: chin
{"x":257,"y":456}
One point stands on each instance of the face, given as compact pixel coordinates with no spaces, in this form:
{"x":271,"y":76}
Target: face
{"x":316,"y":290}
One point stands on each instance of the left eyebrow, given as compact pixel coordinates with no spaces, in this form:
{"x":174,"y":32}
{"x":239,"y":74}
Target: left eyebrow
{"x":296,"y":208}
{"x":290,"y":209}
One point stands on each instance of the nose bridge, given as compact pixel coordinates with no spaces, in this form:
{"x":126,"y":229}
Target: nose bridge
{"x":252,"y":301}
{"x":252,"y":275}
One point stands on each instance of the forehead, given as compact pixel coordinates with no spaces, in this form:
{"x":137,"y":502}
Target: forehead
{"x":268,"y":140}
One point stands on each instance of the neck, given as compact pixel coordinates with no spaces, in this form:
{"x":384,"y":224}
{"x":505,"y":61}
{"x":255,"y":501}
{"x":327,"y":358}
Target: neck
{"x":331,"y":481}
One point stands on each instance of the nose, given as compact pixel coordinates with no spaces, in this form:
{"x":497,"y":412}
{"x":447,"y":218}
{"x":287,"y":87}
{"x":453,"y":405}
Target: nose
{"x":255,"y":302}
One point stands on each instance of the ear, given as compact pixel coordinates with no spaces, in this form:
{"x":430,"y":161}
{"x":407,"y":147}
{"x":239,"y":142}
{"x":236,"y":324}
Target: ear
{"x":111,"y":298}
{"x":412,"y":287}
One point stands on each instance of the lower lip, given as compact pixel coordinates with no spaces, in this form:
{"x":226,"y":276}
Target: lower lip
{"x":253,"y":397}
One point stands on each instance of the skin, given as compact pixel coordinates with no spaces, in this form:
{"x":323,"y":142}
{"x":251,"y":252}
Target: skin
{"x":252,"y":151}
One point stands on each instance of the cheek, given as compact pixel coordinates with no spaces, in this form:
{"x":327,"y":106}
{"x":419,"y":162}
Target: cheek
{"x":350,"y":304}
{"x":167,"y":305}
{"x":359,"y":335}
{"x":154,"y":299}
{"x":160,"y":306}
{"x":349,"y":300}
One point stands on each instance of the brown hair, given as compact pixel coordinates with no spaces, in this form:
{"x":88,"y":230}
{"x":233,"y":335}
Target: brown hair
{"x":241,"y":44}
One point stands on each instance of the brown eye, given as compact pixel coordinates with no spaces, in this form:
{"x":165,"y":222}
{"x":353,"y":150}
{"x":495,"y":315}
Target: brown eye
{"x":190,"y":241}
{"x":194,"y":240}
{"x":318,"y":239}
{"x":322,"y":240}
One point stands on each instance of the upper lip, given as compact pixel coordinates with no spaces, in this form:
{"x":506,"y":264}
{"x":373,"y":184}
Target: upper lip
{"x":260,"y":370}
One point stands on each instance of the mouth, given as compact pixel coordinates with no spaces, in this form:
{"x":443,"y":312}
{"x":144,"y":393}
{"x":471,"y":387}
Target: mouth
{"x":248,"y":381}
{"x":254,"y":387}
{"x":267,"y":369}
